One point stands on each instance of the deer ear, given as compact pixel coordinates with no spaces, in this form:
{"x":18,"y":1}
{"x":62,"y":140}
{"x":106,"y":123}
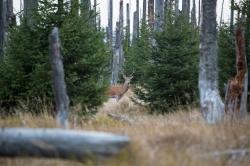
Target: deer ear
{"x":124,"y":76}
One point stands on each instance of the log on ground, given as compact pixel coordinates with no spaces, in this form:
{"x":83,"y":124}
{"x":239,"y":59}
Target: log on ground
{"x":59,"y":143}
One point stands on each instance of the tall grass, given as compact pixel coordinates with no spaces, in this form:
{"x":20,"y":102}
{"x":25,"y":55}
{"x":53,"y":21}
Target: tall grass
{"x":179,"y":138}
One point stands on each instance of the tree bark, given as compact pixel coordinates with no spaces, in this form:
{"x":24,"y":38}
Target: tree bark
{"x":232,"y":16}
{"x":59,"y":86}
{"x":137,"y":19}
{"x":29,"y":6}
{"x":2,"y":26}
{"x":236,"y":95}
{"x":110,"y":23}
{"x":193,"y":15}
{"x":115,"y":63}
{"x":159,"y":14}
{"x":135,"y":35}
{"x":59,"y":143}
{"x":211,"y":104}
{"x":144,"y":13}
{"x":128,"y":25}
{"x":151,"y":14}
{"x":176,"y":6}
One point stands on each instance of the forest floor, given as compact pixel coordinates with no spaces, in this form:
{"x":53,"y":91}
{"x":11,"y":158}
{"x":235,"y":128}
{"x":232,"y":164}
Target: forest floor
{"x":179,"y":138}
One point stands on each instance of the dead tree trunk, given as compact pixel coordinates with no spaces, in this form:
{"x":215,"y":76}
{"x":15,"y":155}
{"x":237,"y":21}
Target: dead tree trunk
{"x":115,"y":64}
{"x":59,"y":86}
{"x":2,"y":26}
{"x":151,"y":14}
{"x":232,"y":16}
{"x":29,"y":6}
{"x":199,"y":14}
{"x":121,"y":39}
{"x":128,"y":25}
{"x":186,"y":8}
{"x":211,"y":104}
{"x":59,"y":143}
{"x":136,"y":23}
{"x":159,"y":14}
{"x":110,"y":24}
{"x":176,"y":7}
{"x":193,"y":15}
{"x":222,"y":8}
{"x":144,"y":11}
{"x":236,"y":94}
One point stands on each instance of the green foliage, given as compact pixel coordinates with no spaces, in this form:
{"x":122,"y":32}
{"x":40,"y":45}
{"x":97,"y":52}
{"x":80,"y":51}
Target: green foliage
{"x":166,"y":64}
{"x":226,"y":56}
{"x":25,"y":73}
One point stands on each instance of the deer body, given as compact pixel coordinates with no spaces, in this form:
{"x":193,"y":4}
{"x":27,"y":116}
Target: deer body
{"x":119,"y":90}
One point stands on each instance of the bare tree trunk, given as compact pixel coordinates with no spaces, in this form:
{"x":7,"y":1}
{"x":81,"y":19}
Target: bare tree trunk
{"x":151,"y":14}
{"x":59,"y":86}
{"x":144,"y":14}
{"x":199,"y":15}
{"x":115,"y":63}
{"x":186,"y":7}
{"x":59,"y":143}
{"x":121,"y":52}
{"x":110,"y":23}
{"x":193,"y":15}
{"x":2,"y":26}
{"x":211,"y":104}
{"x":232,"y":16}
{"x":128,"y":25}
{"x":134,"y":27}
{"x":159,"y":14}
{"x":176,"y":6}
{"x":136,"y":23}
{"x":236,"y":95}
{"x":222,"y":8}
{"x":29,"y":7}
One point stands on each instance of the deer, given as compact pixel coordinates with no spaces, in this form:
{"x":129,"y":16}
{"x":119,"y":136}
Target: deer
{"x":117,"y":91}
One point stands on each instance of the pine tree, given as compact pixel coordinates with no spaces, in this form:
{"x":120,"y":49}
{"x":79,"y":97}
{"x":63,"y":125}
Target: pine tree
{"x":25,"y":73}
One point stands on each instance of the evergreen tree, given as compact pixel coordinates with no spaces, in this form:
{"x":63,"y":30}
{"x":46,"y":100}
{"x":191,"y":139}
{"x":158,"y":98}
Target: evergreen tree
{"x":226,"y":56}
{"x":167,"y":71}
{"x":25,"y":73}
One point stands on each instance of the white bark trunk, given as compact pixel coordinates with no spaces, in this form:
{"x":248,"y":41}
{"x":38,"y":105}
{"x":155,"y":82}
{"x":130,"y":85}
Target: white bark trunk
{"x":159,"y":14}
{"x":59,"y":86}
{"x":211,"y":104}
{"x":59,"y":143}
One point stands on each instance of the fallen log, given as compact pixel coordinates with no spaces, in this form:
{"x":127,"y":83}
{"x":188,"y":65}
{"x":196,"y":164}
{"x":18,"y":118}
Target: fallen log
{"x":59,"y":143}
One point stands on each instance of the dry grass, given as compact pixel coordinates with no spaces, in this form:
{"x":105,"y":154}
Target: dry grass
{"x":180,"y":138}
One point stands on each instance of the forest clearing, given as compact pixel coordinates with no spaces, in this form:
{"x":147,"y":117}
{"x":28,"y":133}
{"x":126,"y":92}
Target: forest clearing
{"x":178,"y":138}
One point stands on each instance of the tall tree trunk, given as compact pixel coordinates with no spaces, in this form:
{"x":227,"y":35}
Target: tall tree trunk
{"x":211,"y":104}
{"x":2,"y":26}
{"x":222,"y":8}
{"x":135,"y":27}
{"x":29,"y":6}
{"x":115,"y":63}
{"x":137,"y":18}
{"x":193,"y":15}
{"x":159,"y":14}
{"x":110,"y":24}
{"x":128,"y":25}
{"x":236,"y":95}
{"x":199,"y":14}
{"x":232,"y":16}
{"x":151,"y":14}
{"x":144,"y":13}
{"x":176,"y":7}
{"x":136,"y":23}
{"x":121,"y":54}
{"x":59,"y":85}
{"x":186,"y":7}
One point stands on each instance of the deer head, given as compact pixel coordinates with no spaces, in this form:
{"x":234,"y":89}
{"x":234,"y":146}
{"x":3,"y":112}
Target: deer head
{"x":118,"y":91}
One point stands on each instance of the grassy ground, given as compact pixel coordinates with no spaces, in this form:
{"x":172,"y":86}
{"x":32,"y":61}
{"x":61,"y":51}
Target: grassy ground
{"x":180,"y":138}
